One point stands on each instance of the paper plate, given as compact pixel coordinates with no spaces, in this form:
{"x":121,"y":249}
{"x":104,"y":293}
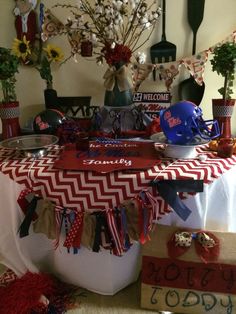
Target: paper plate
{"x":178,"y":151}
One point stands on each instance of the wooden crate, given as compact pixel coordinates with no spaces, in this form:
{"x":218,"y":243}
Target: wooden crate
{"x":187,"y":284}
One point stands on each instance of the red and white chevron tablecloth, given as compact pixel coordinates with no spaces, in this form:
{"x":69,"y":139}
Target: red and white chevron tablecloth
{"x":92,"y":191}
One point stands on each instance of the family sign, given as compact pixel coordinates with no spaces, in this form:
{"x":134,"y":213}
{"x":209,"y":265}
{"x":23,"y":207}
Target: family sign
{"x":109,"y":156}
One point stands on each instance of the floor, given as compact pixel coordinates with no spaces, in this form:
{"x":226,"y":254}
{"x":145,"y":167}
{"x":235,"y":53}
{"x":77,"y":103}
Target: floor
{"x":126,"y":301}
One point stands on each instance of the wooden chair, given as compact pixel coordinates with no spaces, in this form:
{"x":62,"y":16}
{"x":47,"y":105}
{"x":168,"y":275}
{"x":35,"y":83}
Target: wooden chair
{"x":78,"y":108}
{"x":75,"y":106}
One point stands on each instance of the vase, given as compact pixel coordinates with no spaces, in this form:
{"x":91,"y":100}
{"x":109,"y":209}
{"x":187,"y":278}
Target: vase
{"x":119,"y":87}
{"x":9,"y":114}
{"x":222,"y":111}
{"x":50,"y":98}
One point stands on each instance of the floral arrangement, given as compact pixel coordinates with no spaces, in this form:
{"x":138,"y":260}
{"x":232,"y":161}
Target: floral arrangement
{"x":9,"y":64}
{"x":51,"y":54}
{"x":119,"y":53}
{"x":21,"y":48}
{"x":115,"y":29}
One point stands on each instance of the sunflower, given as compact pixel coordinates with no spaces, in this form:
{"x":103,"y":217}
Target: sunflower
{"x":21,"y":48}
{"x":51,"y":54}
{"x":54,"y":54}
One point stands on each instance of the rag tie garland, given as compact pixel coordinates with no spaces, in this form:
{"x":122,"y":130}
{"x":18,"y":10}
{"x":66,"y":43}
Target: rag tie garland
{"x":122,"y":76}
{"x":206,"y":244}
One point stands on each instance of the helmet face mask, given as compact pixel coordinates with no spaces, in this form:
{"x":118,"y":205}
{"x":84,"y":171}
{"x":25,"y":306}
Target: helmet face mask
{"x":183,"y":122}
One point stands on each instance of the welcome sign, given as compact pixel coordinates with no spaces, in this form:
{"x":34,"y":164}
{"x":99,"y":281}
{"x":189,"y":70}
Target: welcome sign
{"x":110,"y":156}
{"x":188,"y":284}
{"x":152,"y":103}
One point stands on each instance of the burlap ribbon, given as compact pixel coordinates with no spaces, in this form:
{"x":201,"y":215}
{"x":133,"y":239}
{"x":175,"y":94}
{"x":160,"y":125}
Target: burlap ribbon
{"x":88,"y":234}
{"x":46,"y":222}
{"x":132,"y":217}
{"x":122,"y":76}
{"x":206,"y":244}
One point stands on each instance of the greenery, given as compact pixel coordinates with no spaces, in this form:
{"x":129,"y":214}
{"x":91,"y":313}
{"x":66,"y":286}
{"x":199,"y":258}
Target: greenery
{"x":224,"y":63}
{"x":50,"y":54}
{"x":10,"y":59}
{"x":9,"y":64}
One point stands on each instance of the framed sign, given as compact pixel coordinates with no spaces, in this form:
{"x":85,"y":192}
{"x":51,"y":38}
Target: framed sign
{"x":152,"y":103}
{"x":194,"y":279}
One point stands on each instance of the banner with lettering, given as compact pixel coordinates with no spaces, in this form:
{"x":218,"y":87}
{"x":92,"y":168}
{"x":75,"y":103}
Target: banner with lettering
{"x":109,"y":156}
{"x":189,"y":271}
{"x":152,"y":103}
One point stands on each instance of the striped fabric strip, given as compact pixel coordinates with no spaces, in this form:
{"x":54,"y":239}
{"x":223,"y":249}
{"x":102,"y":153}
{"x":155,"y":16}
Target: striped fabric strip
{"x":118,"y":247}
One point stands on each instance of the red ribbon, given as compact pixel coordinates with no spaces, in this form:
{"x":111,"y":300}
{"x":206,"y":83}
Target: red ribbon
{"x":144,"y":224}
{"x":73,"y":238}
{"x":207,"y":252}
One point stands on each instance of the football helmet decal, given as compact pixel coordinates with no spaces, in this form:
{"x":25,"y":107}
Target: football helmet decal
{"x":47,"y":121}
{"x":183,"y":121}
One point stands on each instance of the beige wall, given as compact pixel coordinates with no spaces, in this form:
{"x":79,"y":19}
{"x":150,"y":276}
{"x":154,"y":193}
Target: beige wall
{"x":85,"y":77}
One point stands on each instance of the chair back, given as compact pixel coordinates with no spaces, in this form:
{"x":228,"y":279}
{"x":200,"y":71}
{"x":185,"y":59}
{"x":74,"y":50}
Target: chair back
{"x":75,"y":106}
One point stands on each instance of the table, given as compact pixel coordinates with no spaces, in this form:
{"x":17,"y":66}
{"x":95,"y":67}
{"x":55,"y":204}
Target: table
{"x":103,"y":272}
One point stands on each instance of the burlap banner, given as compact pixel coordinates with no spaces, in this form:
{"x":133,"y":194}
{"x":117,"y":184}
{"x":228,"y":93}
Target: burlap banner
{"x":168,"y":71}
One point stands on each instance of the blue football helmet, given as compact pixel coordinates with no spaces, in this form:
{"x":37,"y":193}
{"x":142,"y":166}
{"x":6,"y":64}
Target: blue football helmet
{"x":183,"y":121}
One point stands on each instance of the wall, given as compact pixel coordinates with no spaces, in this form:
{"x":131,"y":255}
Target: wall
{"x":85,"y":77}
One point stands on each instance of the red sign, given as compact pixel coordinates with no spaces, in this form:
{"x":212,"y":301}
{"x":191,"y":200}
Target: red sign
{"x":181,"y":274}
{"x":110,"y":156}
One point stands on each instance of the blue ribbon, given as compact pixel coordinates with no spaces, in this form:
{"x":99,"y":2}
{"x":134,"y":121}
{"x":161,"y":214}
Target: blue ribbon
{"x":168,"y":191}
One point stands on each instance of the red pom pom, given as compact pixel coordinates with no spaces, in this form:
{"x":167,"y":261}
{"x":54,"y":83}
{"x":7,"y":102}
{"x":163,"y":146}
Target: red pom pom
{"x":24,"y":293}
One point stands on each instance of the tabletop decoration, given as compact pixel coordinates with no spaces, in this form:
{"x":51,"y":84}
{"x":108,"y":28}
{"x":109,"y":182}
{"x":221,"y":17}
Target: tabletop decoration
{"x":113,"y":31}
{"x":108,"y":157}
{"x":122,"y":122}
{"x":67,"y":131}
{"x":9,"y":106}
{"x":213,"y":145}
{"x":154,"y":127}
{"x":225,"y":147}
{"x":32,"y":146}
{"x":224,"y":64}
{"x":51,"y":55}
